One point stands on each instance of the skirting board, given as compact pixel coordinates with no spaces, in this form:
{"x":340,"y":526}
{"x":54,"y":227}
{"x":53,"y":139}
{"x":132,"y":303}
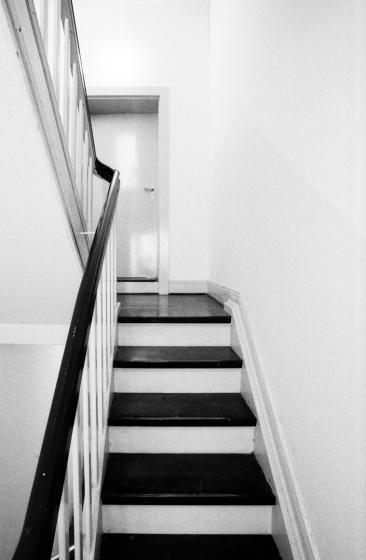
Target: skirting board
{"x":297,"y":527}
{"x":221,"y":293}
{"x":174,"y":287}
{"x":138,"y":287}
{"x":187,"y":287}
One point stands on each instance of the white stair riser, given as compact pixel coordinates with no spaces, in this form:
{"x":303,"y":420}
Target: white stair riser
{"x":173,"y":334}
{"x":137,"y":287}
{"x":188,"y":439}
{"x":211,"y":519}
{"x":177,"y":380}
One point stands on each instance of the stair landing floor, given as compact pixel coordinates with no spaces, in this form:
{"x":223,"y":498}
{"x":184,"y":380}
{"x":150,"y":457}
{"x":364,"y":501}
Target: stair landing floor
{"x":174,"y":308}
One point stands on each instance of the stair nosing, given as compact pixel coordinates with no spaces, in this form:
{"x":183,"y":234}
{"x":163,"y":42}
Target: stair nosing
{"x":232,"y":362}
{"x":262,"y":496}
{"x":218,"y":422}
{"x":175,"y":410}
{"x":123,"y":364}
{"x":178,"y":320}
{"x":203,"y":546}
{"x":187,"y":500}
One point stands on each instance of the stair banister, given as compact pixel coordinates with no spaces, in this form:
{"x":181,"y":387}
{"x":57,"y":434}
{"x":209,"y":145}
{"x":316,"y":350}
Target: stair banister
{"x":62,"y":515}
{"x":46,"y":34}
{"x":78,"y":414}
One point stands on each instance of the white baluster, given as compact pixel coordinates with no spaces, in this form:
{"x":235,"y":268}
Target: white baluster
{"x":63,"y":524}
{"x":85,"y":178}
{"x":93,"y":406}
{"x":111,"y":291}
{"x":41,"y":7}
{"x":64,"y":74}
{"x":114,"y":272}
{"x":79,"y":147}
{"x":73,"y":108}
{"x":104,"y":341}
{"x":53,"y":30}
{"x":60,"y":70}
{"x":100,"y":399}
{"x":90,"y":194}
{"x":107,"y":346}
{"x":76,"y":487}
{"x":111,"y":288}
{"x":86,"y":456}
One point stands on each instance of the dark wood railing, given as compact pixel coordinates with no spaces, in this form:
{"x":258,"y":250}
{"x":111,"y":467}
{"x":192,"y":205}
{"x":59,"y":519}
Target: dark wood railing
{"x":37,"y":536}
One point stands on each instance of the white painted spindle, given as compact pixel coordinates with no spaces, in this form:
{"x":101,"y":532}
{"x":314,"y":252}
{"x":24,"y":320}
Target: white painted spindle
{"x":79,"y":147}
{"x":76,"y":487}
{"x":63,"y":525}
{"x":87,"y":529}
{"x":73,"y":109}
{"x":93,"y":407}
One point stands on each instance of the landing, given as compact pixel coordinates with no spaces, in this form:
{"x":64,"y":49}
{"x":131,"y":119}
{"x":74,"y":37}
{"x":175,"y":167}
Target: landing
{"x":174,"y":308}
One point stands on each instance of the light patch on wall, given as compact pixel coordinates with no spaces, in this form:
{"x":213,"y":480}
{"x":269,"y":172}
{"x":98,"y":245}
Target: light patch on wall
{"x":143,"y":253}
{"x":131,"y":59}
{"x":126,"y":144}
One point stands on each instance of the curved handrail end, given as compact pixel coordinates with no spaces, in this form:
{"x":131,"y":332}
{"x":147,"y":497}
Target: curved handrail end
{"x":104,"y":170}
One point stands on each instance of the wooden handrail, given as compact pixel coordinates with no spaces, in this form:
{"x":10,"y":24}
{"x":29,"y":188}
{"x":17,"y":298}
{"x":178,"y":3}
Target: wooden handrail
{"x":38,"y":532}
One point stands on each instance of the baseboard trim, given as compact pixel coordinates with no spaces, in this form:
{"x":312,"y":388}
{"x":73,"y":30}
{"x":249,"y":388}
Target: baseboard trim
{"x":298,"y":530}
{"x":188,"y":287}
{"x":138,"y":287}
{"x":221,"y":293}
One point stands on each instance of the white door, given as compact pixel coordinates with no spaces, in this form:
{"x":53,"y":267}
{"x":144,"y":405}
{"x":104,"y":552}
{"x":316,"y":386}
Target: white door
{"x":129,"y":143}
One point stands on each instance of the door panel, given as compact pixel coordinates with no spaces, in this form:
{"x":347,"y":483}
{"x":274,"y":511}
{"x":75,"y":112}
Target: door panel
{"x":129,"y":142}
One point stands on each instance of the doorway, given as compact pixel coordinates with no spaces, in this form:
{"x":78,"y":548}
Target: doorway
{"x":130,"y":131}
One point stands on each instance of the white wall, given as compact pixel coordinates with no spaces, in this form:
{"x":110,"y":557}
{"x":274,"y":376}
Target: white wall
{"x":162,"y":43}
{"x":40,"y":269}
{"x":28,"y":376}
{"x":287,"y":114}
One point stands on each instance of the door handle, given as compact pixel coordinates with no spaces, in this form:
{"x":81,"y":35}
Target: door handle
{"x":149,"y":189}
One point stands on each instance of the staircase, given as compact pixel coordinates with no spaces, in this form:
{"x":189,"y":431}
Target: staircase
{"x":181,"y":479}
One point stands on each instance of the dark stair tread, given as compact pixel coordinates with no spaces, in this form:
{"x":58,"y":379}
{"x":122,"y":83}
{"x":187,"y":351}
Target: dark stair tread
{"x":176,"y":357}
{"x":185,"y":479}
{"x":171,"y":309}
{"x":194,"y":547}
{"x":180,"y":409}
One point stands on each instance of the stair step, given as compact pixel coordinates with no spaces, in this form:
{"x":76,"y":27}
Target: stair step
{"x":177,"y":380}
{"x":180,"y":423}
{"x":176,"y":357}
{"x":194,"y":547}
{"x":180,"y":409}
{"x":185,"y":479}
{"x":171,"y":309}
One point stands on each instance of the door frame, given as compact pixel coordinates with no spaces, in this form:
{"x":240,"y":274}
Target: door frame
{"x":162,"y":285}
